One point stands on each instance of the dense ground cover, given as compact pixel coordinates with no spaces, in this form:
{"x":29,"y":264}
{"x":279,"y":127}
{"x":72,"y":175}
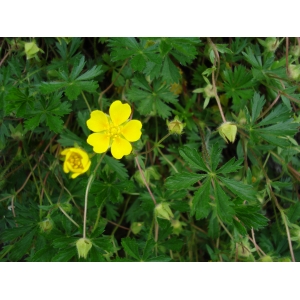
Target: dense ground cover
{"x":149,"y":149}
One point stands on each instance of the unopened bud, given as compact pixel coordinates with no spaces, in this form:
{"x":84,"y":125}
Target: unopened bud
{"x":266,"y":258}
{"x":271,"y":44}
{"x":163,"y":211}
{"x":228,"y":131}
{"x":177,"y":226}
{"x":31,"y":49}
{"x":295,"y":50}
{"x":175,"y":126}
{"x":294,"y":72}
{"x":83,"y":246}
{"x":136,"y":227}
{"x":46,"y":225}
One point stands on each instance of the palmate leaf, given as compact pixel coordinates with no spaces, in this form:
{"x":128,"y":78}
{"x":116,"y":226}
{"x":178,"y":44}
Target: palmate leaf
{"x":238,"y":85}
{"x":224,"y":207}
{"x":193,"y":158}
{"x":231,"y":166}
{"x":131,"y":248}
{"x":151,"y":100}
{"x":250,"y":216}
{"x":48,"y":111}
{"x":183,"y":180}
{"x":258,"y":103}
{"x":244,"y":191}
{"x":73,"y":83}
{"x":201,"y":207}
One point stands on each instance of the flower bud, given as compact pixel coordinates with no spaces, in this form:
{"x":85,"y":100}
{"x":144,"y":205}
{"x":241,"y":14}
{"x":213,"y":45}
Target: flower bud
{"x":266,"y":258}
{"x":284,"y":259}
{"x":163,"y":211}
{"x":136,"y":227}
{"x":294,"y":72}
{"x":177,"y":226}
{"x":46,"y":225}
{"x":295,"y":50}
{"x":31,"y":49}
{"x":272,"y":44}
{"x":228,"y":131}
{"x":209,"y":91}
{"x":175,"y":126}
{"x":67,"y":207}
{"x":83,"y":246}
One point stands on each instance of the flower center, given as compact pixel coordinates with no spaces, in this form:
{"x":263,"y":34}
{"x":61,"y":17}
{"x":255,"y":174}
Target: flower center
{"x":75,"y":161}
{"x":114,"y":131}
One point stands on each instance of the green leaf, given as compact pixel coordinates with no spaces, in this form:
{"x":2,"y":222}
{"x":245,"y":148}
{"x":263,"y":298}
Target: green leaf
{"x":116,"y":166}
{"x":151,"y":100}
{"x":231,"y":166}
{"x":213,"y":227}
{"x":239,"y":227}
{"x":131,"y":247}
{"x":65,"y":254}
{"x":294,"y":212}
{"x":224,"y":207}
{"x":148,"y":250}
{"x":138,"y":62}
{"x":244,"y":191}
{"x":170,"y":72}
{"x":258,"y":103}
{"x":238,"y":85}
{"x":173,"y":244}
{"x":250,"y":216}
{"x":49,"y":111}
{"x":73,"y":83}
{"x":280,"y":114}
{"x":18,"y":101}
{"x":183,"y":180}
{"x":22,"y":246}
{"x":201,"y":200}
{"x":215,"y":156}
{"x":193,"y":158}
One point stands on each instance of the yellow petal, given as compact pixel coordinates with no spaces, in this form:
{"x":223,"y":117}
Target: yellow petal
{"x":64,"y":152}
{"x":74,"y":175}
{"x":132,"y":130}
{"x":99,"y":141}
{"x":98,"y":121}
{"x":119,"y":113}
{"x":120,"y":147}
{"x":65,"y":168}
{"x":85,"y":168}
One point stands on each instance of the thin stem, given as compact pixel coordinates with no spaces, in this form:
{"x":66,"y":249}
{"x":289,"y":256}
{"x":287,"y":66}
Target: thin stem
{"x":122,"y":217}
{"x":287,"y":55}
{"x":62,"y":210}
{"x":113,"y":82}
{"x":86,"y":202}
{"x":90,"y":181}
{"x":268,"y":109}
{"x":156,"y":144}
{"x":288,"y":235}
{"x":168,"y":161}
{"x":144,"y":179}
{"x":225,"y":228}
{"x":86,"y":102}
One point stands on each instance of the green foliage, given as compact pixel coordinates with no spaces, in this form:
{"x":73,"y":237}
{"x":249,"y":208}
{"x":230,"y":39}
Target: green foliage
{"x":189,"y":196}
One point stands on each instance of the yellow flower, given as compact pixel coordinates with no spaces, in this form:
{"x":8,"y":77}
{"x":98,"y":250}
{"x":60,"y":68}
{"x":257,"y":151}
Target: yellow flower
{"x":77,"y":161}
{"x":113,"y":131}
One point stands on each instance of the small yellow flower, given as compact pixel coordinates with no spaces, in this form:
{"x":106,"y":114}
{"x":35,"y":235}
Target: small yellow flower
{"x":76,"y":161}
{"x":114,"y":131}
